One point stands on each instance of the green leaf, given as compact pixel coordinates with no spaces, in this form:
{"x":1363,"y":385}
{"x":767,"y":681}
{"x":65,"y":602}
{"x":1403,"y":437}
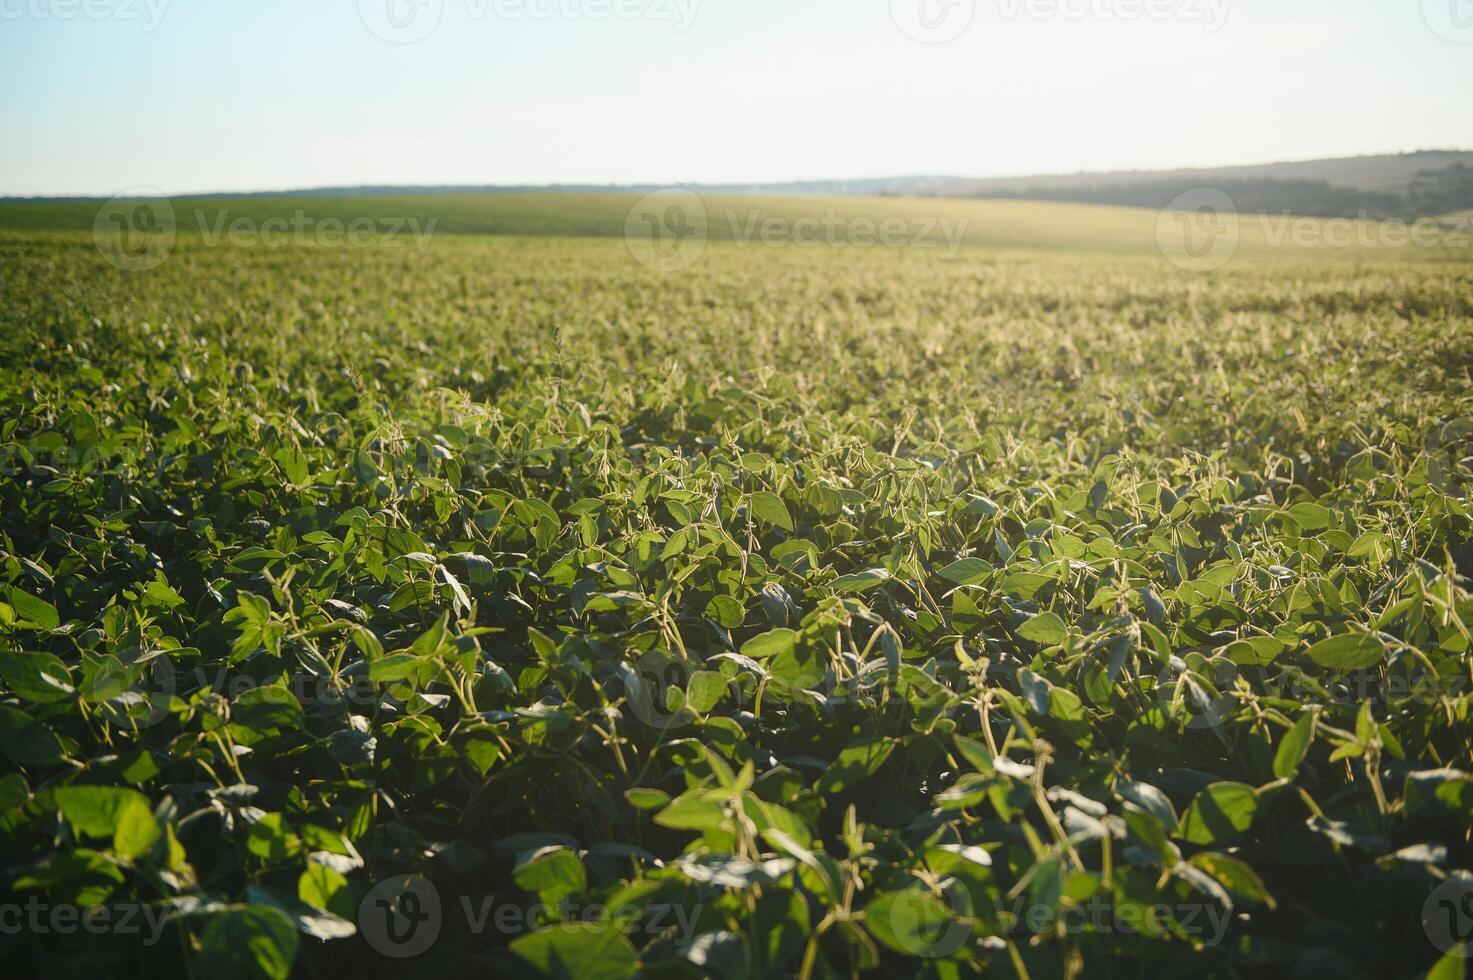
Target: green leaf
{"x":856,"y":763}
{"x":977,"y":754}
{"x":1347,"y":652}
{"x":323,"y":888}
{"x":771,"y":644}
{"x":1220,"y":812}
{"x":1310,"y":517}
{"x":705,"y":691}
{"x":914,"y":922}
{"x":137,"y":831}
{"x":692,"y":812}
{"x":579,"y":951}
{"x":552,"y":873}
{"x":248,"y":942}
{"x":38,"y":677}
{"x":1046,"y":628}
{"x":1367,"y":544}
{"x":1452,"y":966}
{"x":1294,"y":747}
{"x":967,"y":571}
{"x":265,"y":709}
{"x":13,"y":791}
{"x":1234,"y":875}
{"x":1026,"y":584}
{"x":646,"y":799}
{"x":95,"y":810}
{"x":797,"y":669}
{"x":1150,"y":799}
{"x":272,"y":840}
{"x":28,"y":742}
{"x":81,"y":876}
{"x":158,"y":594}
{"x":861,"y":581}
{"x":393,"y":668}
{"x":1155,"y":609}
{"x":726,"y":611}
{"x":769,"y":508}
{"x":33,"y":612}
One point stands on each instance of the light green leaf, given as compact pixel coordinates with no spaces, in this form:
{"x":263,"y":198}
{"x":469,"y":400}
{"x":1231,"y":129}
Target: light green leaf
{"x":1350,"y":651}
{"x":1220,"y":812}
{"x":967,"y":571}
{"x":1046,"y":628}
{"x":769,"y":508}
{"x":33,"y":611}
{"x":1294,"y":747}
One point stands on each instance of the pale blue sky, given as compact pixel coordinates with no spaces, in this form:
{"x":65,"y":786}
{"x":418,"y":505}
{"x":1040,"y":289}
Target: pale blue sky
{"x":95,"y":98}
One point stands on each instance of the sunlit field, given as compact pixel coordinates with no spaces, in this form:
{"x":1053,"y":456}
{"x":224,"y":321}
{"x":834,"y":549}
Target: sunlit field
{"x":1023,"y":598}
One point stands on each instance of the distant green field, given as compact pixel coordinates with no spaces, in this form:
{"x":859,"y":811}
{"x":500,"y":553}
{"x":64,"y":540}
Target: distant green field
{"x":936,"y":223}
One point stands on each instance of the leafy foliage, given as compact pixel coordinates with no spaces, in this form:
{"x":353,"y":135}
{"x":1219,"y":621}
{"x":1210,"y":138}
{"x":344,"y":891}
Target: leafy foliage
{"x":879,"y":613}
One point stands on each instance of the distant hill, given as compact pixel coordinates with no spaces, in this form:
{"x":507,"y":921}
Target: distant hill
{"x":1407,"y":185}
{"x":1426,"y":183}
{"x":1387,"y":172}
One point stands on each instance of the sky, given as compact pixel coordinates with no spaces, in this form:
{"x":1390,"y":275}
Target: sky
{"x":99,"y":97}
